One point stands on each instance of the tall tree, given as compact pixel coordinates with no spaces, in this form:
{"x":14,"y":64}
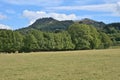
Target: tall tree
{"x":105,"y":39}
{"x":10,"y":41}
{"x":80,"y":34}
{"x":84,"y":36}
{"x":67,"y":41}
{"x":95,"y":39}
{"x":30,"y":43}
{"x":39,"y":37}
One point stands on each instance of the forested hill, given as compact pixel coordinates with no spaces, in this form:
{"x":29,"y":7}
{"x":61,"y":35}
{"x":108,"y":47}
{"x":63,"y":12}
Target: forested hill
{"x":48,"y":34}
{"x":53,"y":25}
{"x":93,"y":23}
{"x":49,"y":24}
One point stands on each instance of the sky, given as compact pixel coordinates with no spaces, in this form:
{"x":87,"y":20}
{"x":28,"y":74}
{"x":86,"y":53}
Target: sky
{"x":15,"y":14}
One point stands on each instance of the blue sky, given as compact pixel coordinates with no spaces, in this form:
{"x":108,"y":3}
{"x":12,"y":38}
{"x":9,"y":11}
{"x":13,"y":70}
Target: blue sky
{"x":16,"y":14}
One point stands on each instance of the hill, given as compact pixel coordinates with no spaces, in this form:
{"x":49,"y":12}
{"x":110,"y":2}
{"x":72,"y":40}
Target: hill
{"x":53,"y":25}
{"x":49,"y":24}
{"x":112,"y":28}
{"x":93,"y":23}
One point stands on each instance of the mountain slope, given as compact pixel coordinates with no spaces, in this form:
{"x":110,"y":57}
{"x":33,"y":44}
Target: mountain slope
{"x":93,"y":23}
{"x":115,"y":25}
{"x":52,"y":25}
{"x":49,"y":24}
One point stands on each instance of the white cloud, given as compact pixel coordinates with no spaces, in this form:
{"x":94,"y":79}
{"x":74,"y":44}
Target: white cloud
{"x":118,"y":8}
{"x":34,"y":2}
{"x":2,"y":26}
{"x":108,"y":7}
{"x":101,"y":7}
{"x":111,"y":1}
{"x":2,"y":16}
{"x":33,"y":15}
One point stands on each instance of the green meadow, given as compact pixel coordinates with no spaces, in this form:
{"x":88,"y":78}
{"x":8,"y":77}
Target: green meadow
{"x":64,"y":65}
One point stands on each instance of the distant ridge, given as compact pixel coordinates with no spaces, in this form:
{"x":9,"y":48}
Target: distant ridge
{"x":48,"y":24}
{"x":92,"y":22}
{"x":53,"y":25}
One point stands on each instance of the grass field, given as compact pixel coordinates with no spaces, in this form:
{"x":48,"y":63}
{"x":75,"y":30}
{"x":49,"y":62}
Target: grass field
{"x":70,"y":65}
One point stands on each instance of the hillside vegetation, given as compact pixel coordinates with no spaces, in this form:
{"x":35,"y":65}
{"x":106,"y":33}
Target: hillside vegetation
{"x":70,"y":65}
{"x":48,"y":34}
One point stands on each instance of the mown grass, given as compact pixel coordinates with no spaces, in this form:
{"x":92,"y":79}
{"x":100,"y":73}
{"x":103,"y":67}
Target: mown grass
{"x":69,"y":65}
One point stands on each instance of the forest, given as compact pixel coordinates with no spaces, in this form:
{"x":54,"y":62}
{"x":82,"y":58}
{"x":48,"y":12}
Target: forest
{"x":77,"y":36}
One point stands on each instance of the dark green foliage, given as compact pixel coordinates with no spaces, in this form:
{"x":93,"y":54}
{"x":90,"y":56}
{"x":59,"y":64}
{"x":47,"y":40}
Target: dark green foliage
{"x":87,"y":37}
{"x":63,"y":41}
{"x":115,"y":39}
{"x":58,"y":41}
{"x":49,"y":42}
{"x":67,"y":41}
{"x":39,"y":38}
{"x":10,"y":41}
{"x":46,"y":41}
{"x":114,"y":25}
{"x":30,"y":43}
{"x":105,"y":39}
{"x":98,"y":25}
{"x":52,"y":25}
{"x":95,"y":38}
{"x":48,"y":34}
{"x":113,"y":30}
{"x":80,"y":35}
{"x":48,"y":24}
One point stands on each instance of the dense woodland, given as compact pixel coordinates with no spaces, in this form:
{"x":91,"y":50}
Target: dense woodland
{"x":49,"y":36}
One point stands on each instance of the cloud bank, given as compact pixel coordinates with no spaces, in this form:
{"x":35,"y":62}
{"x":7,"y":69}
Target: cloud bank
{"x":107,"y":7}
{"x":2,"y":26}
{"x":33,"y":15}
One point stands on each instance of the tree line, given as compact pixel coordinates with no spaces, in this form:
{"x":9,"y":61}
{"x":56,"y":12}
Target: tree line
{"x":113,"y":31}
{"x":77,"y":37}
